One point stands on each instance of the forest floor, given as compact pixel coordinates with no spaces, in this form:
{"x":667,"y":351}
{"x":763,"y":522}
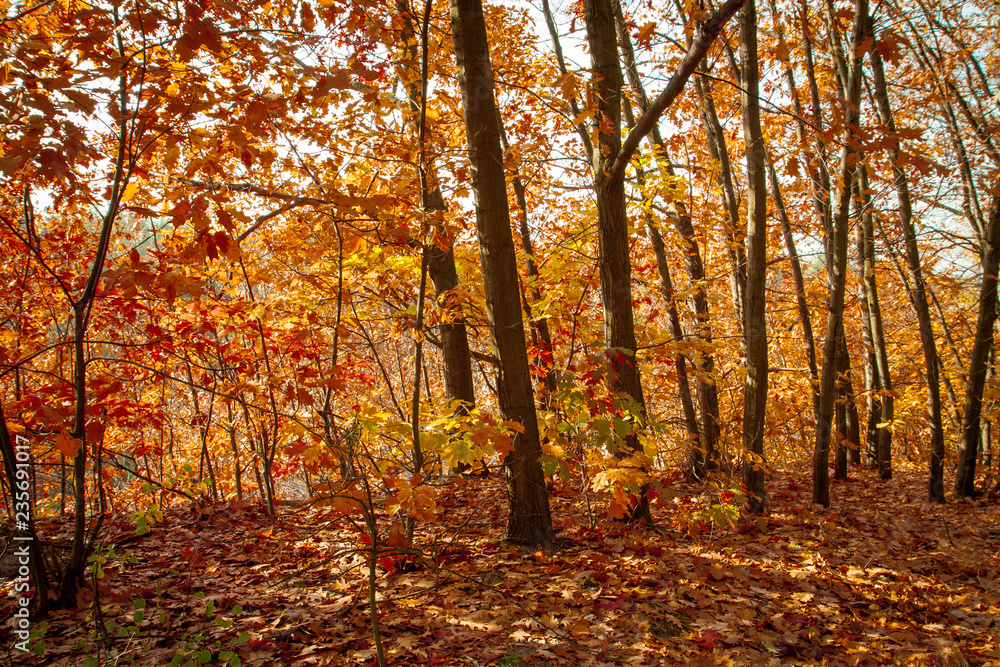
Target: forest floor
{"x":883,"y":577}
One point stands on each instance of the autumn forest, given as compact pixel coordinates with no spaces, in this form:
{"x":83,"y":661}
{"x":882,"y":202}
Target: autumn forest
{"x":528,"y":333}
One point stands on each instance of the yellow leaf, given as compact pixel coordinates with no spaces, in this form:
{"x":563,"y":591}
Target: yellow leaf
{"x":67,"y":445}
{"x":568,"y":83}
{"x":130,"y":191}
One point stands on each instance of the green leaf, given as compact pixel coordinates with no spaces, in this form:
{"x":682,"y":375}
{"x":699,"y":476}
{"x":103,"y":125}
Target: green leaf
{"x":244,"y":637}
{"x":138,"y":616}
{"x":238,"y":609}
{"x":39,"y":648}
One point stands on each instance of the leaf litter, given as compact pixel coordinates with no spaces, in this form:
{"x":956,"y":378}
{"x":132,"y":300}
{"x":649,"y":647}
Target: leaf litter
{"x":884,"y":577}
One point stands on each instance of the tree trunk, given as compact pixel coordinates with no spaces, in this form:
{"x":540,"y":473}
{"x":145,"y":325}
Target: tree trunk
{"x":455,"y":355}
{"x":838,"y":266}
{"x":800,"y":287}
{"x":873,"y":383}
{"x":612,"y":232}
{"x":529,"y":520}
{"x":696,"y":453}
{"x":755,"y":329}
{"x":702,"y":455}
{"x":539,"y":326}
{"x":882,"y":447}
{"x":936,"y":476}
{"x":719,"y":152}
{"x":965,"y":480}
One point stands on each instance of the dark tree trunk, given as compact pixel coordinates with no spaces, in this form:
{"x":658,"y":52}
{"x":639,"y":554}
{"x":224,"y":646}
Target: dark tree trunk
{"x":881,"y":446}
{"x":696,"y":453}
{"x":529,"y":520}
{"x":918,"y":289}
{"x":755,"y":328}
{"x":838,"y":266}
{"x":965,"y":480}
{"x":718,"y":149}
{"x":702,"y":453}
{"x":455,"y":354}
{"x":612,"y":229}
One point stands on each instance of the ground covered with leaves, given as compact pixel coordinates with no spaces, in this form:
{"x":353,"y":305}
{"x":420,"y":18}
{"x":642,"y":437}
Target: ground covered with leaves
{"x":883,"y":577}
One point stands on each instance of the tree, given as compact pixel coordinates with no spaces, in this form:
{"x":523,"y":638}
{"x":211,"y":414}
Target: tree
{"x":918,"y":287}
{"x":838,"y":265}
{"x":968,"y":452}
{"x":528,"y":521}
{"x":755,"y":323}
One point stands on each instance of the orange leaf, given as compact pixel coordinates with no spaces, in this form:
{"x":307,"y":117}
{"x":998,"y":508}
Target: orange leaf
{"x":67,"y":445}
{"x":503,"y":444}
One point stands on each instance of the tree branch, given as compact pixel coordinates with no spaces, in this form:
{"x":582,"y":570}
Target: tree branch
{"x":699,"y":47}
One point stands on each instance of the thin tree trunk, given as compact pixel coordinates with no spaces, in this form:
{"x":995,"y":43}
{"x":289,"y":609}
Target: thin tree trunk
{"x":965,"y":479}
{"x":821,"y":486}
{"x":455,"y":355}
{"x":703,"y":457}
{"x":936,"y":474}
{"x":615,"y":266}
{"x":883,"y":434}
{"x":718,"y":150}
{"x":540,"y":326}
{"x":873,"y":382}
{"x":696,"y":453}
{"x":755,"y":330}
{"x":529,"y":520}
{"x":581,"y":129}
{"x":800,"y":287}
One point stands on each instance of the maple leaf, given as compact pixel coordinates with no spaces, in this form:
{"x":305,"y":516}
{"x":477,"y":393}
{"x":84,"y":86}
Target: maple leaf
{"x":67,"y":445}
{"x":503,"y":444}
{"x":709,"y":639}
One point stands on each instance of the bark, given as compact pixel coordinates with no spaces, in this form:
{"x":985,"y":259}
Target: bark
{"x":615,"y":267}
{"x":873,"y":382}
{"x":529,"y":520}
{"x":883,"y":434}
{"x":755,"y":388}
{"x":965,"y":479}
{"x":918,"y":289}
{"x":842,"y":203}
{"x":455,"y":355}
